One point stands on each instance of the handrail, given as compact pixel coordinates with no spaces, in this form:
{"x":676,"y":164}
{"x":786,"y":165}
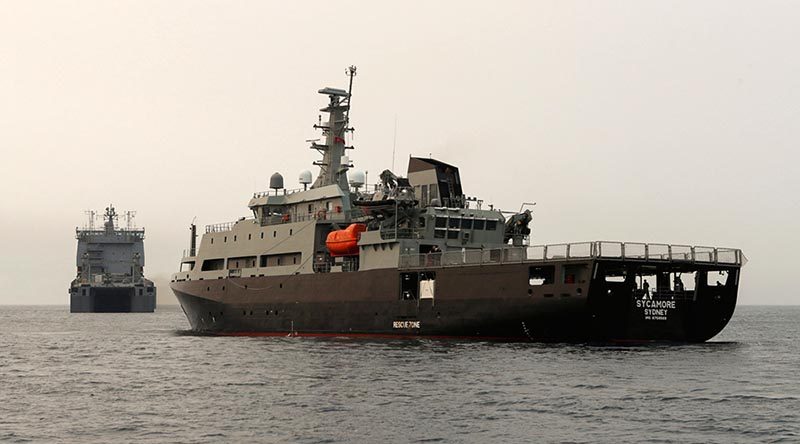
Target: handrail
{"x":624,"y":251}
{"x":224,"y":226}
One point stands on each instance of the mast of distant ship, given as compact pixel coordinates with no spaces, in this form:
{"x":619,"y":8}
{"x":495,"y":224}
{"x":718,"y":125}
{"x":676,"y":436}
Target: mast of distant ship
{"x":334,"y":163}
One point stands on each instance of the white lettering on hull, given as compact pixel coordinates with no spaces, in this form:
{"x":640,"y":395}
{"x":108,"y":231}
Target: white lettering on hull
{"x":405,"y":324}
{"x":657,"y":310}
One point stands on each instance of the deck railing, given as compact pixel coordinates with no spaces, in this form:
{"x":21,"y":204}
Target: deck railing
{"x":216,"y":228}
{"x":580,"y":250}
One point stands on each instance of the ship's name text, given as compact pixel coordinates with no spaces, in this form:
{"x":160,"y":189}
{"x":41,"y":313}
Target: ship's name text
{"x":655,"y":310}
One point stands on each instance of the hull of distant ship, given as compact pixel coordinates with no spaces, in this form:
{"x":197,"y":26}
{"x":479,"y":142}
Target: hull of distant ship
{"x":486,"y":302}
{"x":96,"y":299}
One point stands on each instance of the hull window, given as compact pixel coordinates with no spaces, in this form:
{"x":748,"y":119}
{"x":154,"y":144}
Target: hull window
{"x":541,"y":275}
{"x":409,"y":283}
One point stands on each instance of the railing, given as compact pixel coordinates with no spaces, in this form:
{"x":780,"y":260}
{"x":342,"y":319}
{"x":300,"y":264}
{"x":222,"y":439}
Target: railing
{"x":400,"y":233}
{"x":216,"y":228}
{"x":334,"y":216}
{"x":367,"y":189}
{"x":581,"y":250}
{"x":119,"y":232}
{"x":190,"y":252}
{"x":282,"y":191}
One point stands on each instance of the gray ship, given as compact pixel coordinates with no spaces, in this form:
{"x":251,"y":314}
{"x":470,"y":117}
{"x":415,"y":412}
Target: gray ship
{"x":110,"y":264}
{"x":414,"y":256}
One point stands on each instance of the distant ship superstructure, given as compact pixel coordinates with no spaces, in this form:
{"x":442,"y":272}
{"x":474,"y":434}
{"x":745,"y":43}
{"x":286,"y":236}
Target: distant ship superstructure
{"x":110,"y":261}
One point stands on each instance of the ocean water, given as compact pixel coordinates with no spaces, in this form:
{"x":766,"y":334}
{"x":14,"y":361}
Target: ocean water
{"x":144,"y":378}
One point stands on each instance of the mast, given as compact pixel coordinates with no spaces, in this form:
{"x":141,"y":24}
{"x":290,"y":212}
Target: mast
{"x":334,"y":163}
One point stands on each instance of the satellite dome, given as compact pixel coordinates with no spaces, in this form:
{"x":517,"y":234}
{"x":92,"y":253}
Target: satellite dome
{"x":357,"y":178}
{"x":305,"y":177}
{"x":276,"y":181}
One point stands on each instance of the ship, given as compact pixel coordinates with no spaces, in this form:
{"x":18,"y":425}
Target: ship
{"x":414,"y":257}
{"x":110,"y":268}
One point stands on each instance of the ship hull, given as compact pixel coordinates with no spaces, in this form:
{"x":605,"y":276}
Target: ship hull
{"x":498,"y":301}
{"x":95,"y":299}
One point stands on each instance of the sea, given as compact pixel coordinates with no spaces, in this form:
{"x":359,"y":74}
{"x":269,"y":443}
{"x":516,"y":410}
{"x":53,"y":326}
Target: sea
{"x":146,"y":378}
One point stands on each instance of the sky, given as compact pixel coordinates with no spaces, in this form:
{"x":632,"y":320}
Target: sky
{"x":659,"y":121}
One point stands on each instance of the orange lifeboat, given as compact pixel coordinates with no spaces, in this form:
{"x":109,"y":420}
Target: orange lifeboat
{"x":345,"y":242}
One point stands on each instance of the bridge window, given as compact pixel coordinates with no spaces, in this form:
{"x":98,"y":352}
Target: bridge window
{"x":452,"y":234}
{"x":187,"y":266}
{"x":441,"y":222}
{"x":466,"y":224}
{"x":454,"y":222}
{"x":479,"y":224}
{"x":491,"y":225}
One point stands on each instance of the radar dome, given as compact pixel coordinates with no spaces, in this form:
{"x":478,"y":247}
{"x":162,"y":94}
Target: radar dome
{"x":276,"y":181}
{"x":357,"y":178}
{"x":305,"y":177}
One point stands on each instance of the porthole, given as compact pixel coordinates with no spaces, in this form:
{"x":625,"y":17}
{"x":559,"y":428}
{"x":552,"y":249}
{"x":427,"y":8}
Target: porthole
{"x":234,"y":238}
{"x":274,"y":234}
{"x":225,"y":239}
{"x":262,"y":235}
{"x":249,"y":236}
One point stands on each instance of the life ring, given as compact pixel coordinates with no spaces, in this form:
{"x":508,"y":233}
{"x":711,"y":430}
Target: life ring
{"x":321,"y":214}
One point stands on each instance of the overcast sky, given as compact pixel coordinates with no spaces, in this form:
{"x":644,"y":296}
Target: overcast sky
{"x":668,"y":121}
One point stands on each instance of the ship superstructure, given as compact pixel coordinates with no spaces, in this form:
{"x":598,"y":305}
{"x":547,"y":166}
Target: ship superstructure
{"x":110,"y":262}
{"x":414,"y":256}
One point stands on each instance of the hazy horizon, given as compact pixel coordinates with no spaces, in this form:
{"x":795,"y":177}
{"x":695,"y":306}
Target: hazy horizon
{"x":669,"y":122}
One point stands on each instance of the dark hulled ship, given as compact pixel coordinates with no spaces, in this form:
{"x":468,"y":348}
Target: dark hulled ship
{"x":110,"y":264}
{"x":413,"y":256}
